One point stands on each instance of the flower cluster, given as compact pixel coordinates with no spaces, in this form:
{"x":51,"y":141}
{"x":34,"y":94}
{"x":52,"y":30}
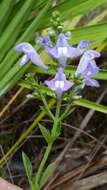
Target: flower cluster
{"x":87,"y":67}
{"x":61,"y":52}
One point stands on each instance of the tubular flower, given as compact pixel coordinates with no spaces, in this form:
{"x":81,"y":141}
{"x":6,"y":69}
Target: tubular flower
{"x":59,"y":83}
{"x":63,"y":49}
{"x":30,"y":54}
{"x":87,"y":67}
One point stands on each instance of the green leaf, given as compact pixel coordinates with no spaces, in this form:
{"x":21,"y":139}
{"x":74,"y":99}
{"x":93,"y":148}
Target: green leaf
{"x":68,"y":110}
{"x":45,"y":108}
{"x":48,"y":172}
{"x":36,"y":186}
{"x":91,"y":105}
{"x":45,"y":132}
{"x":28,"y":167}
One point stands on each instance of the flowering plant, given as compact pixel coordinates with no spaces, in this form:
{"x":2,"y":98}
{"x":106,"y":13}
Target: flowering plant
{"x":64,"y":88}
{"x":56,"y":72}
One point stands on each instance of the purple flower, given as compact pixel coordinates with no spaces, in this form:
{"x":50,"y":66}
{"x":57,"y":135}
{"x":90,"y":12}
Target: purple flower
{"x":87,"y":67}
{"x":59,"y":83}
{"x":45,"y":41}
{"x":63,"y":49}
{"x":30,"y":54}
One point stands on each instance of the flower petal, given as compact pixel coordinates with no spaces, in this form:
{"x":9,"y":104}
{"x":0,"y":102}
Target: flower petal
{"x":35,"y":58}
{"x":91,"y":54}
{"x":24,"y":60}
{"x":63,"y":60}
{"x":94,"y":66}
{"x":73,"y":52}
{"x":59,"y":93}
{"x":51,"y":84}
{"x":60,"y":75}
{"x":52,"y":52}
{"x":87,"y":63}
{"x":82,"y":65}
{"x":91,"y":82}
{"x":62,"y":41}
{"x":67,"y":85}
{"x":24,"y":47}
{"x":83,"y":44}
{"x":45,"y":41}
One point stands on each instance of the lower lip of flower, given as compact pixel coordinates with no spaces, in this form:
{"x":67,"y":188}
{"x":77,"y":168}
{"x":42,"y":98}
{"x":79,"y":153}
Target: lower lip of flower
{"x":62,"y":51}
{"x":59,"y":84}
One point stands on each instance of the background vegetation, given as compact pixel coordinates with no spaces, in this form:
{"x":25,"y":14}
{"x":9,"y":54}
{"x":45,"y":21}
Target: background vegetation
{"x":22,"y":20}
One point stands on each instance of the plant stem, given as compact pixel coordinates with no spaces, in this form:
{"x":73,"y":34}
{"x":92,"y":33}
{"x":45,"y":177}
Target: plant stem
{"x":49,"y":147}
{"x":66,"y":111}
{"x":46,"y":105}
{"x":56,"y":120}
{"x":45,"y":157}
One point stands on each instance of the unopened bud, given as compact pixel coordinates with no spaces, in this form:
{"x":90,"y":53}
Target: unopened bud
{"x":55,"y":14}
{"x":68,"y":35}
{"x":51,"y":32}
{"x":60,"y":28}
{"x":29,"y":96}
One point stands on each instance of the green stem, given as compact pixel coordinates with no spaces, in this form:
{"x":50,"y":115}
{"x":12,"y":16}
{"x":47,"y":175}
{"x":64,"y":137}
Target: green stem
{"x":49,"y":147}
{"x":45,"y":157}
{"x":67,"y":111}
{"x":46,"y":105}
{"x":56,"y":119}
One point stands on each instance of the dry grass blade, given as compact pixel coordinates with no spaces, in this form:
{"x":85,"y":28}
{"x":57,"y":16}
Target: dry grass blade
{"x":70,"y":176}
{"x":6,"y":107}
{"x":90,"y":182}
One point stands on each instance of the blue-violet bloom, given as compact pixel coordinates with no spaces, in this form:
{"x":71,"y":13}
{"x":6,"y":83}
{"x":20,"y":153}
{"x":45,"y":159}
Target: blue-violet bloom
{"x":59,"y":83}
{"x":63,"y":49}
{"x":87,"y":67}
{"x":30,"y":54}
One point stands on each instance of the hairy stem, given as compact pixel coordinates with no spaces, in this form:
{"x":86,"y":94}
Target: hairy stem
{"x":44,"y":159}
{"x":49,"y":147}
{"x":56,"y":120}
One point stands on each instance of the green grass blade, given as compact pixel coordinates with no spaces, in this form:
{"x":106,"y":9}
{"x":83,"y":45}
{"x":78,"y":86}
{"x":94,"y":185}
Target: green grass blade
{"x":4,"y":8}
{"x":98,"y":18}
{"x":12,"y":56}
{"x":92,"y":33}
{"x":91,"y":105}
{"x":102,"y":75}
{"x":35,"y":24}
{"x":12,"y":80}
{"x":13,"y":29}
{"x":72,"y":8}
